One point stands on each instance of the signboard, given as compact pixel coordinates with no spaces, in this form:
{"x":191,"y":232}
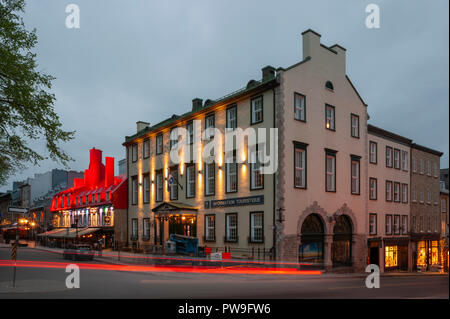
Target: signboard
{"x":239,"y":201}
{"x":12,"y":209}
{"x":216,"y":256}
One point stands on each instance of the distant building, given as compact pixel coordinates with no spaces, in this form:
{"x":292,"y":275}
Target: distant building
{"x":123,"y":167}
{"x":444,"y":178}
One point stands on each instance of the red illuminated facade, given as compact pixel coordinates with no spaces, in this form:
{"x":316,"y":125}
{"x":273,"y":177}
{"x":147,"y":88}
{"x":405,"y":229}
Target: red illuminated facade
{"x":94,"y":205}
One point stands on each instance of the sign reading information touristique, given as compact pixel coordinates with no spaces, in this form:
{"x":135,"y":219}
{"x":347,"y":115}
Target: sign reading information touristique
{"x":240,"y":201}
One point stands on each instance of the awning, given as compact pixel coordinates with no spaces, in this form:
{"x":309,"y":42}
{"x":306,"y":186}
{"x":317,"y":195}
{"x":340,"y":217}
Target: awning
{"x":50,"y":233}
{"x":69,"y":232}
{"x":174,"y":208}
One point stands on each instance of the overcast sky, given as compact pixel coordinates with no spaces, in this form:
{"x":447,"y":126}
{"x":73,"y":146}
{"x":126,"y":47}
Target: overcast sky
{"x":146,"y":60}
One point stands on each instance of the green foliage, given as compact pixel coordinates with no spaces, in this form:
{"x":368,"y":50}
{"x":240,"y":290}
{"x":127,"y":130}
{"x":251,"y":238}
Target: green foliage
{"x":26,"y":107}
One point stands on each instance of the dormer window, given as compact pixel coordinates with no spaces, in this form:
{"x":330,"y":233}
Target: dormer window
{"x":329,"y":86}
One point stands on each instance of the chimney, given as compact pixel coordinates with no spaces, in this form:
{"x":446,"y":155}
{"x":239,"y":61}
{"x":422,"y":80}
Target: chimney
{"x":95,"y":167}
{"x":140,"y":125}
{"x":341,"y":53}
{"x":311,"y":43}
{"x":109,"y":171}
{"x":197,"y":104}
{"x":268,"y":72}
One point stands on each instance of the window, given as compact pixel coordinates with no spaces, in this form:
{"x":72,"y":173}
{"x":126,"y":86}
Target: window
{"x":159,"y":144}
{"x":372,"y":188}
{"x":414,"y":194}
{"x":329,"y":85}
{"x":388,"y":224}
{"x":190,"y":181}
{"x":373,"y":152}
{"x":210,"y":179}
{"x":146,"y":229}
{"x":231,"y":227}
{"x":396,"y":224}
{"x":134,"y":152}
{"x":388,"y":156}
{"x":300,"y":107}
{"x":414,"y":164}
{"x":396,"y":192}
{"x":134,"y":190}
{"x":231,"y":118}
{"x":421,"y":195}
{"x":421,"y":224}
{"x":388,"y":191}
{"x":299,"y":165}
{"x":231,"y":176}
{"x":443,"y":206}
{"x":372,"y":224}
{"x":404,"y":193}
{"x":330,"y":172}
{"x":174,"y":185}
{"x":146,"y":148}
{"x":428,"y":196}
{"x":354,"y":119}
{"x":428,"y":168}
{"x":159,"y":187}
{"x":329,"y":117}
{"x":421,"y":166}
{"x":396,"y":158}
{"x":256,"y":227}
{"x":146,"y":188}
{"x":256,"y":178}
{"x":190,"y":132}
{"x":391,"y":256}
{"x":405,"y":161}
{"x":209,"y":126}
{"x":355,"y":183}
{"x":173,"y":137}
{"x":210,"y":228}
{"x":257,"y":110}
{"x":435,"y":169}
{"x":405,"y":224}
{"x":134,"y":229}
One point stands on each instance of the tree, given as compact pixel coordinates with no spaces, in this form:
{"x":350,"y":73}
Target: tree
{"x":26,"y":107}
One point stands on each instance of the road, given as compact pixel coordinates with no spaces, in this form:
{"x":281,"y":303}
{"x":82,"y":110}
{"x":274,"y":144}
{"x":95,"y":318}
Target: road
{"x":114,"y":281}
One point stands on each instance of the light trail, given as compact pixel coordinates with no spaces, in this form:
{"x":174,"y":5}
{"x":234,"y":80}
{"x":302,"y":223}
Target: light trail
{"x":179,"y":269}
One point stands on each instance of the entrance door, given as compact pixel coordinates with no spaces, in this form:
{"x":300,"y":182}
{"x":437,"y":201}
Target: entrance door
{"x":403,"y":257}
{"x":374,"y":256}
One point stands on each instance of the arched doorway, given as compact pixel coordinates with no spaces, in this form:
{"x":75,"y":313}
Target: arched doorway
{"x":311,"y":248}
{"x":341,"y":251}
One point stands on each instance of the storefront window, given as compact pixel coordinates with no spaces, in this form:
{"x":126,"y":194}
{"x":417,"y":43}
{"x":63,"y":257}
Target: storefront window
{"x":391,"y":256}
{"x":421,"y":254}
{"x":434,"y":253}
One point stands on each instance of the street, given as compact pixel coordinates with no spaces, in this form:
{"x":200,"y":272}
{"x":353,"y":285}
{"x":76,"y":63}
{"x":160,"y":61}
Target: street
{"x":44,"y":277}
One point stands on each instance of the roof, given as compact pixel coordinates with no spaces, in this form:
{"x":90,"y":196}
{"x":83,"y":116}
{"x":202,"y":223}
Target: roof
{"x":173,"y":206}
{"x":263,"y":84}
{"x":387,"y":134}
{"x":426,"y":149}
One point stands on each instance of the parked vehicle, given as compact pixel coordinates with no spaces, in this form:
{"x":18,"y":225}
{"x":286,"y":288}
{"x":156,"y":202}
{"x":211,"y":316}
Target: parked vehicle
{"x":79,"y":252}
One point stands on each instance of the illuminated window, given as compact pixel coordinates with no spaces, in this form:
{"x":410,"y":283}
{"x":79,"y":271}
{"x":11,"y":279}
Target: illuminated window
{"x":257,"y":110}
{"x":300,"y":107}
{"x":329,"y":117}
{"x":391,"y":256}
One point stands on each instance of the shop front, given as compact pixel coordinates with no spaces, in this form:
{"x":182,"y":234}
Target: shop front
{"x":374,"y":245}
{"x":396,"y":254}
{"x":427,"y":253}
